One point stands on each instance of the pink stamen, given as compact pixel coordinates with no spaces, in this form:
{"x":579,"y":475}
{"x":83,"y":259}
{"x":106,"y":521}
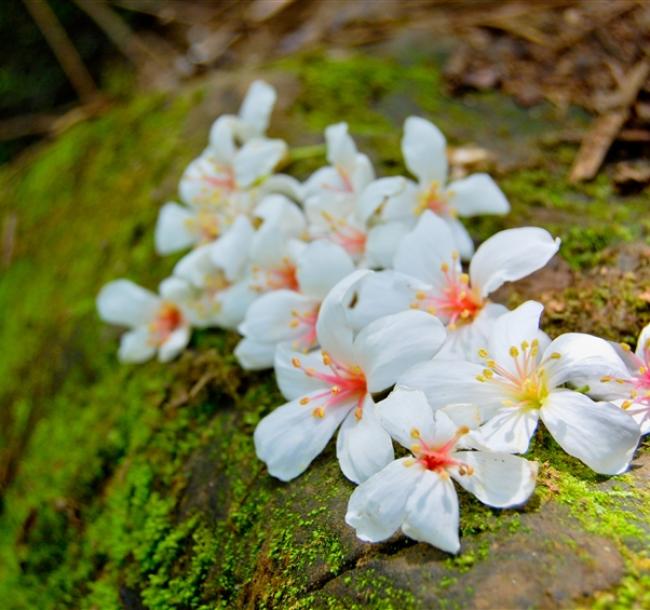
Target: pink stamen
{"x":346,"y":383}
{"x":352,"y":240}
{"x":306,"y":321}
{"x":439,"y":459}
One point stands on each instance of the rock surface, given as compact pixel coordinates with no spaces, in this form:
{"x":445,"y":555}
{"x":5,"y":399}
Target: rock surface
{"x":138,"y":487}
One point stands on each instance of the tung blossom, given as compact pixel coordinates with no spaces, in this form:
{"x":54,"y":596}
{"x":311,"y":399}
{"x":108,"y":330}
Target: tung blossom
{"x":416,"y":493}
{"x":289,"y":315}
{"x":522,"y":380}
{"x":158,"y":324}
{"x":341,"y":201}
{"x":334,"y":387}
{"x":424,"y":149}
{"x":630,"y":391}
{"x":428,"y":275}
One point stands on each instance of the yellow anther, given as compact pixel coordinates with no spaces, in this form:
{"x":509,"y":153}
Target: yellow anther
{"x":508,"y":403}
{"x":605,"y":379}
{"x":462,"y":294}
{"x":335,"y":389}
{"x":513,"y":351}
{"x":462,"y":431}
{"x":452,"y":326}
{"x":620,"y":381}
{"x":464,"y":278}
{"x":415,"y":433}
{"x":305,"y":400}
{"x":444,"y":267}
{"x":465,"y":314}
{"x":414,"y":305}
{"x":634,"y":393}
{"x":408,"y":462}
{"x":626,"y":404}
{"x":491,"y":363}
{"x":555,"y":356}
{"x":488,"y":373}
{"x":482,"y":353}
{"x":480,"y":378}
{"x":625,"y":347}
{"x":296,"y":362}
{"x":643,"y":370}
{"x":535,"y":343}
{"x":326,"y":359}
{"x":420,"y":294}
{"x":294,"y":324}
{"x":416,"y":448}
{"x":455,"y":255}
{"x":525,"y":345}
{"x":432,"y":310}
{"x":318,"y":412}
{"x":358,"y":413}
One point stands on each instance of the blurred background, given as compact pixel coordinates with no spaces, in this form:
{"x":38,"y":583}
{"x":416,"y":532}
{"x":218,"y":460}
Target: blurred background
{"x":66,"y":60}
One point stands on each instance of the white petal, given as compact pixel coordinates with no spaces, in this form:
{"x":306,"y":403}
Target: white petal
{"x":235,"y":301}
{"x":402,"y":205}
{"x":381,"y":294}
{"x":406,"y":411}
{"x":196,"y":266}
{"x":176,"y":289}
{"x":256,"y":109}
{"x":511,"y":329}
{"x":257,"y":159}
{"x":432,"y":512}
{"x":278,"y":210}
{"x":333,"y":328}
{"x":269,"y":318}
{"x":222,"y":139}
{"x":292,"y":381}
{"x":376,"y":194}
{"x":284,"y":185}
{"x":325,"y":181}
{"x":123,"y":302}
{"x":341,"y":150}
{"x":425,"y":150}
{"x":135,"y":346}
{"x":174,"y":228}
{"x":510,"y":255}
{"x":382,"y":242}
{"x":255,"y":355}
{"x":363,"y":447}
{"x":389,"y":346}
{"x":509,"y":430}
{"x":424,"y":249}
{"x":230,"y":252}
{"x":449,"y":382}
{"x":363,"y":173}
{"x":601,"y":435}
{"x":377,"y":507}
{"x":321,"y":265}
{"x":499,"y":479}
{"x":477,"y":194}
{"x":174,"y":344}
{"x":643,"y":343}
{"x":462,"y":238}
{"x":289,"y":438}
{"x":580,"y":356}
{"x":205,"y":182}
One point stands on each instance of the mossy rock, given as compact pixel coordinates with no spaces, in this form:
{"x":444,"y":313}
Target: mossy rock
{"x":138,"y":486}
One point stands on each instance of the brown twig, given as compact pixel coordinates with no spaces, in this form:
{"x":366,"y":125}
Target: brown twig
{"x":63,"y":48}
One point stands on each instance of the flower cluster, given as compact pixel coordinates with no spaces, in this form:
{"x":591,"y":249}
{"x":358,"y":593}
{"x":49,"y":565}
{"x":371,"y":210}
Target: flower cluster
{"x":368,"y":299}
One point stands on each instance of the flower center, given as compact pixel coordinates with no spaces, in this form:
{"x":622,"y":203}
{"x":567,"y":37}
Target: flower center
{"x":304,"y":322}
{"x":167,"y":320}
{"x":433,"y":198}
{"x":277,"y":278}
{"x":455,"y":301}
{"x":438,"y":459}
{"x":346,"y":383}
{"x":341,"y":232}
{"x":526,"y":386}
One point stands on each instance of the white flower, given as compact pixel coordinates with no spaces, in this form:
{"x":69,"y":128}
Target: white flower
{"x":521,"y":381}
{"x":428,"y":255}
{"x":416,"y":493}
{"x":334,"y":387}
{"x":289,"y":316}
{"x":157,"y":323}
{"x":341,"y":201}
{"x":424,"y":149}
{"x":630,"y":391}
{"x":216,"y":293}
